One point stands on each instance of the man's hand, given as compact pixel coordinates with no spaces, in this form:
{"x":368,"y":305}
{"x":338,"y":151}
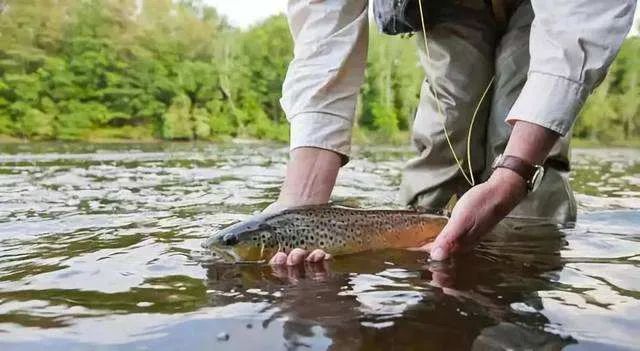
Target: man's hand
{"x":311,"y":175}
{"x":483,"y":206}
{"x":477,"y":212}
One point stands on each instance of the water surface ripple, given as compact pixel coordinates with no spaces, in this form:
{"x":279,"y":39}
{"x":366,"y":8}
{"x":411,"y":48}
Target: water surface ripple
{"x":100,"y":249}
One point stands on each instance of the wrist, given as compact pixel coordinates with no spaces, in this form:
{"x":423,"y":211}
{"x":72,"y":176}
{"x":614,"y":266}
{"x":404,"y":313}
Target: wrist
{"x":302,"y":198}
{"x":311,"y":175}
{"x":530,"y":142}
{"x":509,"y":186}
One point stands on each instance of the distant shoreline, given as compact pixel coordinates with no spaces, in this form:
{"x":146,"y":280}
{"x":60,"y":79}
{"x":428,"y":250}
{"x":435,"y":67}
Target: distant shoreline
{"x":360,"y":138}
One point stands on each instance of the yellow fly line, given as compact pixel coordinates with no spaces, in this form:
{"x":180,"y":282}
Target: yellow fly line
{"x":469,"y":178}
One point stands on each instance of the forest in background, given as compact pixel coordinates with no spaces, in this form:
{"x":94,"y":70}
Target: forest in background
{"x":176,"y":70}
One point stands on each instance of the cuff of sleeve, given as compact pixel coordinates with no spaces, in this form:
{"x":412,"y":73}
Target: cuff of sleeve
{"x":550,"y":101}
{"x":321,"y":130}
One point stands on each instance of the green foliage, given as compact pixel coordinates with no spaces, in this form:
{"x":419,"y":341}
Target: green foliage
{"x":71,"y":68}
{"x":201,"y":128}
{"x":171,"y":69}
{"x":176,"y":122}
{"x":77,"y":118}
{"x":37,"y":124}
{"x":612,"y":113}
{"x":392,"y":84}
{"x":384,"y":119}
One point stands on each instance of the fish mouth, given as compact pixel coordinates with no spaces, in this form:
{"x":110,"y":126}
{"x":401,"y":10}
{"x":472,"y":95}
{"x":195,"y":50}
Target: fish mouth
{"x":240,"y":242}
{"x":231,"y":251}
{"x":218,"y":245}
{"x":229,"y":254}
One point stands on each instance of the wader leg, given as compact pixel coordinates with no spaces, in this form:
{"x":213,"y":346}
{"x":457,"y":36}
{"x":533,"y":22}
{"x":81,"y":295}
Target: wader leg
{"x":553,"y":200}
{"x":461,"y":65}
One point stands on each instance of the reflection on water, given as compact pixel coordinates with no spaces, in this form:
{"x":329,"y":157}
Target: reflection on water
{"x":100,"y":249}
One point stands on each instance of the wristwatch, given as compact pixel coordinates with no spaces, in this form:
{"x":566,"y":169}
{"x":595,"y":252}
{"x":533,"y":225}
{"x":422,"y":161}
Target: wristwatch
{"x":532,"y":174}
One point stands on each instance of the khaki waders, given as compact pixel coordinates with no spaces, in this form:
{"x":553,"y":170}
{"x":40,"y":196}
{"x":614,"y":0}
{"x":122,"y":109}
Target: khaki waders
{"x":465,"y":51}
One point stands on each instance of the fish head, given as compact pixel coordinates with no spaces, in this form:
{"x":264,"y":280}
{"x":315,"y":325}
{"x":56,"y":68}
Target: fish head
{"x":252,"y":240}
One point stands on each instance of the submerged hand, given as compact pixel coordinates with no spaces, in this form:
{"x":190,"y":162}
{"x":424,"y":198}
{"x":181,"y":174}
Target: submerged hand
{"x":482,"y":207}
{"x":311,"y":174}
{"x":297,"y":256}
{"x":477,"y":213}
{"x":294,"y":274}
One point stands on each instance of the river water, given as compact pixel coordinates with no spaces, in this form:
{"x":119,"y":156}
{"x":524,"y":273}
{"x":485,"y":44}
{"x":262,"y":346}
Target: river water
{"x":100,"y":250}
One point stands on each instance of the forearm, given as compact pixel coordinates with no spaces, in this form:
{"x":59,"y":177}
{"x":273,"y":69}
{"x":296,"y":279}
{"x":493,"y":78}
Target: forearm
{"x":319,"y":94}
{"x":530,"y":142}
{"x":311,"y":175}
{"x":484,"y":205}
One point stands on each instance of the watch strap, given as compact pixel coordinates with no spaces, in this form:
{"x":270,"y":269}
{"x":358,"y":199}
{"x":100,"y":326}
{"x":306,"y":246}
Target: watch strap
{"x":523,"y":168}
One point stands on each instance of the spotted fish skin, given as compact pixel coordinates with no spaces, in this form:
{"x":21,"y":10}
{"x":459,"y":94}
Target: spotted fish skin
{"x":337,"y":230}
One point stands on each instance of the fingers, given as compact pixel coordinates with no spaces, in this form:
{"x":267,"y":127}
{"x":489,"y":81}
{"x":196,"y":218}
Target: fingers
{"x":443,"y":247}
{"x":442,"y":275}
{"x":297,"y":256}
{"x":425,"y":248}
{"x":318,"y":255}
{"x":278,"y":259}
{"x":319,"y":272}
{"x":449,"y":239}
{"x":293,"y":274}
{"x":279,"y":271}
{"x":446,"y":242}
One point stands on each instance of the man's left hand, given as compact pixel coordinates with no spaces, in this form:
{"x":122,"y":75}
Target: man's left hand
{"x":477,"y":213}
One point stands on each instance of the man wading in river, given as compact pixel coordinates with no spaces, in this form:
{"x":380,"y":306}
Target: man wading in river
{"x":546,"y":56}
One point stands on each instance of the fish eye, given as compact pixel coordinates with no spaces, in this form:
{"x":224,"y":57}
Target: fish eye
{"x":230,"y":240}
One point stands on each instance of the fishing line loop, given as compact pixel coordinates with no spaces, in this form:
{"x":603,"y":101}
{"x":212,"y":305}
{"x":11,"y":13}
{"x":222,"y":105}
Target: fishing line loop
{"x":469,"y":178}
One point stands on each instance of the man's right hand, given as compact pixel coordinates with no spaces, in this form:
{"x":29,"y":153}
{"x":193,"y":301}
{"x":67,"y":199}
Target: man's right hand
{"x":311,"y":175}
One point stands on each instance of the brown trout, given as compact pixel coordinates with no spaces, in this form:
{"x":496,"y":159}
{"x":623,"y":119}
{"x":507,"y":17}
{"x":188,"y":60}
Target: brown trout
{"x":336,"y":230}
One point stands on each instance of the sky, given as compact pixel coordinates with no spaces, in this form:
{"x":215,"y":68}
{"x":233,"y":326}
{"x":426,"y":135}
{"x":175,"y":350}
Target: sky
{"x":243,"y":13}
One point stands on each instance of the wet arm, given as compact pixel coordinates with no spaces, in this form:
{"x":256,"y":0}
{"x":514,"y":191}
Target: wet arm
{"x":320,"y":92}
{"x":572,"y":44}
{"x":311,"y":175}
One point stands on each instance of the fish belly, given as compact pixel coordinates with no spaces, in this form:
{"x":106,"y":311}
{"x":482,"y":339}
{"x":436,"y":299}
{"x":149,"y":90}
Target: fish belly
{"x":387,"y":236}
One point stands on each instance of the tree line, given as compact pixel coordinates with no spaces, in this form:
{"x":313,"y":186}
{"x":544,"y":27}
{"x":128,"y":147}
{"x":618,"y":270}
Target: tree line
{"x":176,"y":70}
